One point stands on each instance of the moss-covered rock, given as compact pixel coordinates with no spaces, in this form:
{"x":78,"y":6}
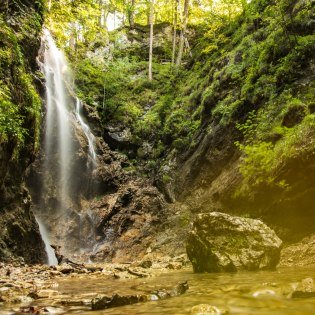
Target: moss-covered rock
{"x":20,"y":106}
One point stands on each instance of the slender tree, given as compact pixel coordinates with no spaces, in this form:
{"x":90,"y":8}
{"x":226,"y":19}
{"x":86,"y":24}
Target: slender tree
{"x":151,"y":15}
{"x":175,"y":14}
{"x":182,"y":34}
{"x":131,"y":14}
{"x":102,"y":14}
{"x":49,"y":5}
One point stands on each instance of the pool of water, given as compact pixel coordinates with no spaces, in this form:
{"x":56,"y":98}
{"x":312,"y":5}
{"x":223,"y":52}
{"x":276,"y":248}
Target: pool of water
{"x":244,"y":293}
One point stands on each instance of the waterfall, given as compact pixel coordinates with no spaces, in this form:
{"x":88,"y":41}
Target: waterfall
{"x":87,"y":131}
{"x":52,"y":260}
{"x":61,"y":174}
{"x":55,"y":71}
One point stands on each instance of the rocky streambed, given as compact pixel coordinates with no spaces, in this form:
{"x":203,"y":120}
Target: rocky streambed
{"x":232,"y":270}
{"x":45,"y":289}
{"x":134,"y":289}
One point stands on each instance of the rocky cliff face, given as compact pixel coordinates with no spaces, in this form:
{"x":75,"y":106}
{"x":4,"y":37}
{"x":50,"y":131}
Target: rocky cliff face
{"x":232,"y":131}
{"x":20,"y":26}
{"x":254,"y":151}
{"x":111,"y":213}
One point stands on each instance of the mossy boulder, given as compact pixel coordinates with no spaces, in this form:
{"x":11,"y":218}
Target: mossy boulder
{"x":219,"y":242}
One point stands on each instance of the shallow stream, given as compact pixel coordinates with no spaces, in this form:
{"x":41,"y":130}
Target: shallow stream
{"x":240,"y":293}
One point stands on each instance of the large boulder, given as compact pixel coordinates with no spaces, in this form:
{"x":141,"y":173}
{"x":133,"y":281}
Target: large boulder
{"x":219,"y":242}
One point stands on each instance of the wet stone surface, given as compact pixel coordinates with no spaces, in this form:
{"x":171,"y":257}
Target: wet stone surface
{"x":48,"y":290}
{"x":23,"y":288}
{"x":219,"y":242}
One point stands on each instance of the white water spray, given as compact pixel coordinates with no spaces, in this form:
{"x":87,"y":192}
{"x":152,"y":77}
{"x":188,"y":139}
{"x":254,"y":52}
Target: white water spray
{"x":87,"y":131}
{"x":52,"y":260}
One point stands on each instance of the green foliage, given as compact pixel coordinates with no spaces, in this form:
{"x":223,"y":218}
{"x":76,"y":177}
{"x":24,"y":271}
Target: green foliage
{"x":262,"y":161}
{"x":248,"y":128}
{"x":257,"y":163}
{"x":10,"y":119}
{"x":147,"y":125}
{"x":19,"y":101}
{"x":244,"y":73}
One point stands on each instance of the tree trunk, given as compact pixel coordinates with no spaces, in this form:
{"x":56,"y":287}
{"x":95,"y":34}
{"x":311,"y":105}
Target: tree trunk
{"x":151,"y":38}
{"x":182,"y":34}
{"x":73,"y":37}
{"x":188,"y":47}
{"x":132,"y":14}
{"x":175,"y":3}
{"x":101,"y":16}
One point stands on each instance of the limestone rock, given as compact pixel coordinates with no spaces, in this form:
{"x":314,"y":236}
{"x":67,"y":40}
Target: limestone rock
{"x":65,"y":268}
{"x":305,"y":289}
{"x":219,"y":242}
{"x":300,"y":254}
{"x":146,"y":263}
{"x":104,"y":302}
{"x":180,"y":289}
{"x":206,"y":309}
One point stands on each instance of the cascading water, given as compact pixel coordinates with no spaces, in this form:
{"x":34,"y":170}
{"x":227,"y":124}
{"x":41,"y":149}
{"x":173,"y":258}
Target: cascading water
{"x":52,"y":260}
{"x":54,"y":68}
{"x":60,"y":170}
{"x":87,"y":131}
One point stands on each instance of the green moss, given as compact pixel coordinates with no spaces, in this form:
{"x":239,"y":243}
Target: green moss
{"x":19,"y":101}
{"x":262,"y":161}
{"x":10,"y":119}
{"x":166,"y":179}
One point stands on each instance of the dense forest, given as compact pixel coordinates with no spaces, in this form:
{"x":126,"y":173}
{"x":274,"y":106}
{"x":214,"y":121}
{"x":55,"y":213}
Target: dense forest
{"x":139,"y":137}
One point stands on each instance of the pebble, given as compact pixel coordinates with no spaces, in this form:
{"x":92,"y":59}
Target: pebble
{"x":304,"y":289}
{"x":23,"y":284}
{"x":53,"y":310}
{"x":207,"y":309}
{"x":22,"y":299}
{"x":265,"y":292}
